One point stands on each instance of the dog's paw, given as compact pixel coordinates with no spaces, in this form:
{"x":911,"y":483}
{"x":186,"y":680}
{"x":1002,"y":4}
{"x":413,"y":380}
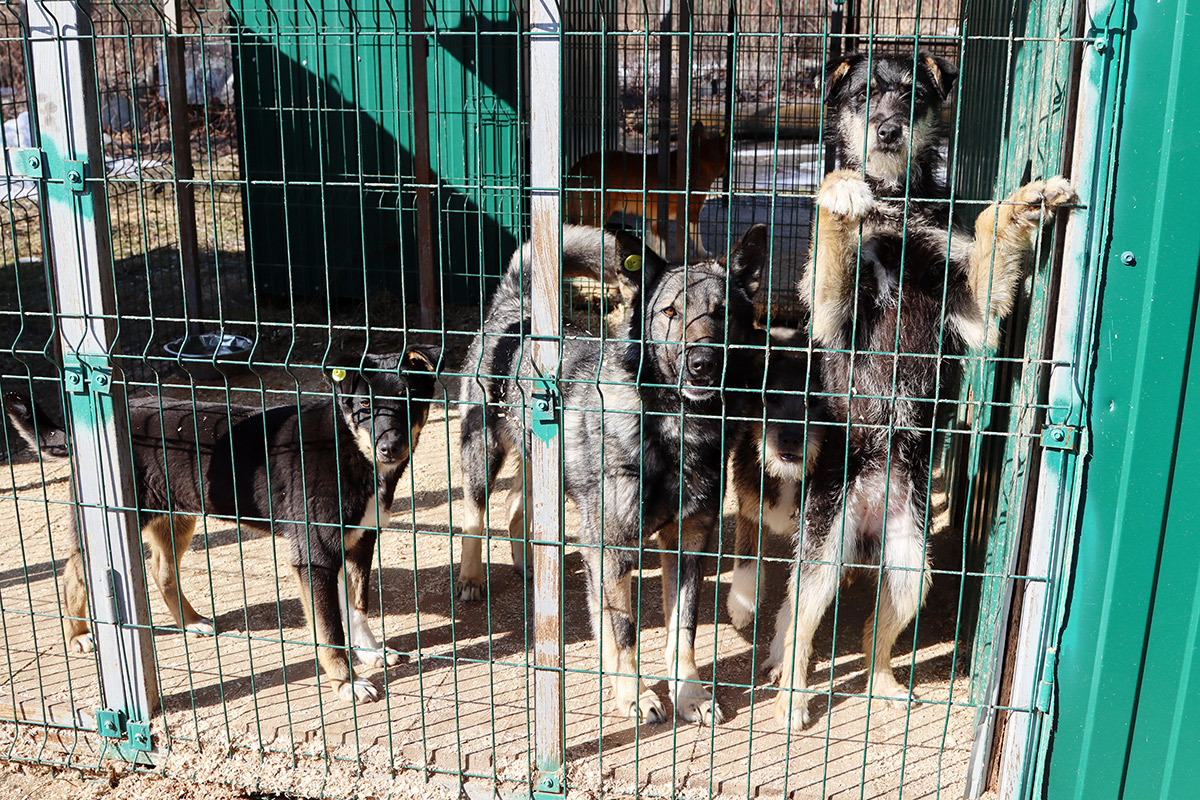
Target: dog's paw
{"x":382,"y":657}
{"x":469,"y":590}
{"x":522,"y":557}
{"x":1037,"y":201}
{"x":791,"y":710}
{"x":359,"y":690}
{"x":201,"y":627}
{"x":693,"y":703}
{"x":846,"y":194}
{"x":645,"y":708}
{"x":889,"y":690}
{"x":740,"y":600}
{"x":83,"y":643}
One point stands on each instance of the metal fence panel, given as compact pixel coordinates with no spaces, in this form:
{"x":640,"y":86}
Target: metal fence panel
{"x":358,"y":176}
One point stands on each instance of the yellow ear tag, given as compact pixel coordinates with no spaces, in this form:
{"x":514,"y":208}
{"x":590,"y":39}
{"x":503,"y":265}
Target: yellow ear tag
{"x":338,"y":375}
{"x":633,"y":263}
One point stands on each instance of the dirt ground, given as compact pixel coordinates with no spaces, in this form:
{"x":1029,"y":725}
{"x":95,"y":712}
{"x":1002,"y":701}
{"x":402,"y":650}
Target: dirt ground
{"x":245,"y":708}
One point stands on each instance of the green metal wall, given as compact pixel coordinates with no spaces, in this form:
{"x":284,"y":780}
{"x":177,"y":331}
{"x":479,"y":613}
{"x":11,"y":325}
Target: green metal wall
{"x":1127,"y":721}
{"x":327,"y":142}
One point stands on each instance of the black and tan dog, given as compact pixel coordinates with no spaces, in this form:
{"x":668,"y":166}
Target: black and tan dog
{"x":896,"y":296}
{"x":773,"y":450}
{"x":322,"y":475}
{"x":644,"y":434}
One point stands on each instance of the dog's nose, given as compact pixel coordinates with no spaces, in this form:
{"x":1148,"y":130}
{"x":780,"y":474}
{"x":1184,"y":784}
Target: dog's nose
{"x":791,"y":442}
{"x":703,"y":364}
{"x":888,"y":133}
{"x":389,"y":451}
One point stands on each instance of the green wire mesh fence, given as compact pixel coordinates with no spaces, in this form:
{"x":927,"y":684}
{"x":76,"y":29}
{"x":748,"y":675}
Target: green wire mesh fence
{"x":270,"y":191}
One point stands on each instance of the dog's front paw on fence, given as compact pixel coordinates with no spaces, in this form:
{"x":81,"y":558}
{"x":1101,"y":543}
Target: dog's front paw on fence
{"x":846,"y":194}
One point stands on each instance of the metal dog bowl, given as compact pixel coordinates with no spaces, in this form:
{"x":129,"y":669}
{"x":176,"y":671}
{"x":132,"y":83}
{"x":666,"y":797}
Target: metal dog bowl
{"x":211,"y":355}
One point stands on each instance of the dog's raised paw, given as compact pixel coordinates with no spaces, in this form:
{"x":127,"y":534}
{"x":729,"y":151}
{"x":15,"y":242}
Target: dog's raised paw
{"x":791,"y":711}
{"x":201,"y":627}
{"x":469,"y":591}
{"x":846,"y":194}
{"x":359,"y":690}
{"x":1038,"y":200}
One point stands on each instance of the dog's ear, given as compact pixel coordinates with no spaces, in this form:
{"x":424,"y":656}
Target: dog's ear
{"x":749,"y":258}
{"x":941,"y":72}
{"x":421,"y":357}
{"x":639,"y":265}
{"x":698,"y":133}
{"x":836,"y":71}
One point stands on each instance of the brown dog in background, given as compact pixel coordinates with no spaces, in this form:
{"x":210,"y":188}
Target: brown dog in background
{"x":603,"y":183}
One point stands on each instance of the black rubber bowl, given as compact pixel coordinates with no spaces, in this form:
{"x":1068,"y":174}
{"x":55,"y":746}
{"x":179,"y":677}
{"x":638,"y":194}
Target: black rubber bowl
{"x":211,"y":356}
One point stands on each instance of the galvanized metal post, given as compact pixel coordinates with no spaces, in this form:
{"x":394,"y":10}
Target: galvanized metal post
{"x":545,"y":456}
{"x":181,"y":155}
{"x":62,"y":52}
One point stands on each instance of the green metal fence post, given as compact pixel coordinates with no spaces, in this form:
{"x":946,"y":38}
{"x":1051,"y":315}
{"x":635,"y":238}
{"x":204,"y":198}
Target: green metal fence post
{"x":61,"y":46}
{"x":546,"y":451}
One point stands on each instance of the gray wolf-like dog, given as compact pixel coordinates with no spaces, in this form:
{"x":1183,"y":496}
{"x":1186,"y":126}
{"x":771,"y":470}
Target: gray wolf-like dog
{"x":644,"y":435}
{"x":333,"y":464}
{"x":896,"y":297}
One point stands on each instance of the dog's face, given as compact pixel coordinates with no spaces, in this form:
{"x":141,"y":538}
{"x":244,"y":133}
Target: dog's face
{"x":690,"y":312}
{"x":883,"y":110}
{"x":386,"y":402}
{"x":788,"y":446}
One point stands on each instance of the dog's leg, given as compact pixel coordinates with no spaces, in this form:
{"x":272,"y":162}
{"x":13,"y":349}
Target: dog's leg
{"x":694,"y":235}
{"x":609,"y":575}
{"x":518,"y":525}
{"x":354,"y":584}
{"x":811,"y":587}
{"x":827,"y":283}
{"x":76,"y":626}
{"x":169,"y":537}
{"x":742,"y":588}
{"x":904,"y":582}
{"x":319,"y":592}
{"x":1005,"y":233}
{"x":482,"y":457}
{"x":681,"y":599}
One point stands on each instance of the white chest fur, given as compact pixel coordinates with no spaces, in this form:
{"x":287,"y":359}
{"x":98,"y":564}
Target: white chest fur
{"x":779,"y":517}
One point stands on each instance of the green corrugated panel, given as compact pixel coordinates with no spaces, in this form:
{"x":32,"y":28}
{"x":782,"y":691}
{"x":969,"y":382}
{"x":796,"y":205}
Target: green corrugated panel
{"x":994,"y":477}
{"x":1128,"y":675}
{"x":326,"y":104}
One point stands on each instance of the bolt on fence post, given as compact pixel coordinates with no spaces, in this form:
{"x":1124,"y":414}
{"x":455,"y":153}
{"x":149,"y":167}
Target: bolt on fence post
{"x":62,"y":51}
{"x":545,"y":456}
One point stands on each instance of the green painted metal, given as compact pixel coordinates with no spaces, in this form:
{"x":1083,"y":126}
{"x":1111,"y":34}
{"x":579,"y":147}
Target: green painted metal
{"x":327,"y":142}
{"x":989,"y":483}
{"x":1128,"y":673}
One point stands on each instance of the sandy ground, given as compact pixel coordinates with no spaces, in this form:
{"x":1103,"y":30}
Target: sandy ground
{"x":246,"y":709}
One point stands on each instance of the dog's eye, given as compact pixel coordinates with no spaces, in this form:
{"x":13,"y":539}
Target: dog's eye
{"x":365,"y":403}
{"x":670,"y":311}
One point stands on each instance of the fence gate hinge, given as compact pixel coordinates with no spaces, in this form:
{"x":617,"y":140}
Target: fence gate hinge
{"x":1059,"y":437}
{"x":33,"y":163}
{"x":544,"y":417}
{"x":1045,"y":688}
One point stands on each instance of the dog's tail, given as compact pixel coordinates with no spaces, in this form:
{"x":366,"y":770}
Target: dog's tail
{"x":42,"y":433}
{"x":614,"y":257}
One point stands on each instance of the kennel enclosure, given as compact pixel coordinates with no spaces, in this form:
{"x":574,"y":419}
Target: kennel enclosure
{"x":360,"y":174}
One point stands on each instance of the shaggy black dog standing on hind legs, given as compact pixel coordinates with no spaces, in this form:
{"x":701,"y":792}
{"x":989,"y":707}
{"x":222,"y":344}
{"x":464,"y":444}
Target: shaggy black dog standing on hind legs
{"x":896,"y":296}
